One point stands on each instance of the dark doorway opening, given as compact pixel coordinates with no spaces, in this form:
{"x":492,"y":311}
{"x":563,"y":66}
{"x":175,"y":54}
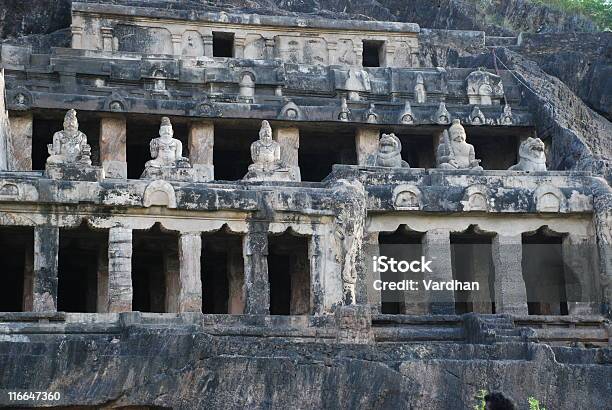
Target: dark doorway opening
{"x":372,"y":53}
{"x":223,"y":44}
{"x":402,"y":245}
{"x":543,"y":272}
{"x":472,"y":261}
{"x":289,"y":274}
{"x":319,"y":152}
{"x":222,"y":273}
{"x":232,"y":154}
{"x":155,"y":270}
{"x":17,"y":253}
{"x":82,"y":258}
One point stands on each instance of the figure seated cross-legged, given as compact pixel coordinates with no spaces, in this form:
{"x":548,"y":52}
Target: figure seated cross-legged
{"x":454,"y":152}
{"x":69,"y":145}
{"x":70,"y":154}
{"x":167,"y":156}
{"x":265,"y":153}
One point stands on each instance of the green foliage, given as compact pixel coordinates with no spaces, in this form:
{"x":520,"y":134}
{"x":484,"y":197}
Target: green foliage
{"x":480,"y":404}
{"x":534,"y":404}
{"x":599,"y":11}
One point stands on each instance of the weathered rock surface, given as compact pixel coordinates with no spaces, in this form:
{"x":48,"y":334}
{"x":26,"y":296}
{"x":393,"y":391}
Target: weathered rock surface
{"x":184,"y":366}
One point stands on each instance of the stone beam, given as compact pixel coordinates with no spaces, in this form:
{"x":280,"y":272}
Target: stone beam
{"x":289,"y":140}
{"x":120,"y":290}
{"x":201,"y":144}
{"x":366,"y":143}
{"x":256,"y":284}
{"x":510,"y":291}
{"x":190,"y":286}
{"x":46,"y":246}
{"x":113,"y":147}
{"x":22,"y":125}
{"x":436,"y":247}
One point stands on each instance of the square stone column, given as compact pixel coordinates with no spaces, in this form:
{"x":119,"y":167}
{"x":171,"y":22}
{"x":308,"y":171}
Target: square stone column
{"x":299,"y":271}
{"x":437,"y":248}
{"x":256,"y":285}
{"x":120,"y":290}
{"x":581,"y":281}
{"x":22,"y":125}
{"x":269,"y":44}
{"x":172,"y":280}
{"x":28,"y":279}
{"x":113,"y":147}
{"x":190,"y":286}
{"x":44,"y":287}
{"x":289,"y":140}
{"x":366,"y":143}
{"x":370,"y":242}
{"x":510,"y":291}
{"x":239,"y":43}
{"x":481,"y":271}
{"x":201,"y":145}
{"x":102,"y":280}
{"x":235,"y":279}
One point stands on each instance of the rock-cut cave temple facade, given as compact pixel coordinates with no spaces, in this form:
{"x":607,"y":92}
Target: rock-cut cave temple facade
{"x":233,"y":173}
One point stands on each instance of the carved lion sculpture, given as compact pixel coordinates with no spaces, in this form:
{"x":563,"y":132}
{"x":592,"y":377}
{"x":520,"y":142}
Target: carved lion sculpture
{"x":531,"y":156}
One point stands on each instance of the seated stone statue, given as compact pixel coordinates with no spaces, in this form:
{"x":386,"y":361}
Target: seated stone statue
{"x":389,"y":153}
{"x":70,"y":154}
{"x":265,"y":153}
{"x":70,"y":145}
{"x":166,"y":151}
{"x":168,"y":162}
{"x":454,"y":153}
{"x":531,"y":156}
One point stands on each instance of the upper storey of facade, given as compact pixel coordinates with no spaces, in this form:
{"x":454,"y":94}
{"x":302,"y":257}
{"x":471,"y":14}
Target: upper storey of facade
{"x":199,"y":35}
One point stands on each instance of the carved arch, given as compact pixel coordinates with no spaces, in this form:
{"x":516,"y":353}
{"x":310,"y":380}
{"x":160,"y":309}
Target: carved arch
{"x":476,"y":198}
{"x":159,"y":193}
{"x":549,"y":198}
{"x":407,"y":198}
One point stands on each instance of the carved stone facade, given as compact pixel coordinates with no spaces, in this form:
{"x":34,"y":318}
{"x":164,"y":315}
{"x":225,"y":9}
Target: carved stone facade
{"x":208,"y":185}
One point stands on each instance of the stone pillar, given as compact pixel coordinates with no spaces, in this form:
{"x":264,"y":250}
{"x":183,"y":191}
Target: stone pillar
{"x":315,"y":255}
{"x":107,"y":38}
{"x":370,"y":242}
{"x":201,"y":145}
{"x":359,"y":54}
{"x":5,"y":134}
{"x":510,"y":291}
{"x":270,"y":43}
{"x":102,"y":280}
{"x":120,"y":290}
{"x":77,"y":37}
{"x":207,"y":40}
{"x":579,"y":265}
{"x":289,"y":140}
{"x":389,"y":52}
{"x":177,"y":45}
{"x":113,"y":147}
{"x":46,"y":246}
{"x":235,"y":279}
{"x":332,"y":50}
{"x":28,"y":279}
{"x":481,"y":272}
{"x":239,"y":46}
{"x":256,"y":284}
{"x":22,"y":125}
{"x":300,"y":284}
{"x":190,"y":287}
{"x":436,"y":247}
{"x":366,"y":142}
{"x":172,"y":280}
